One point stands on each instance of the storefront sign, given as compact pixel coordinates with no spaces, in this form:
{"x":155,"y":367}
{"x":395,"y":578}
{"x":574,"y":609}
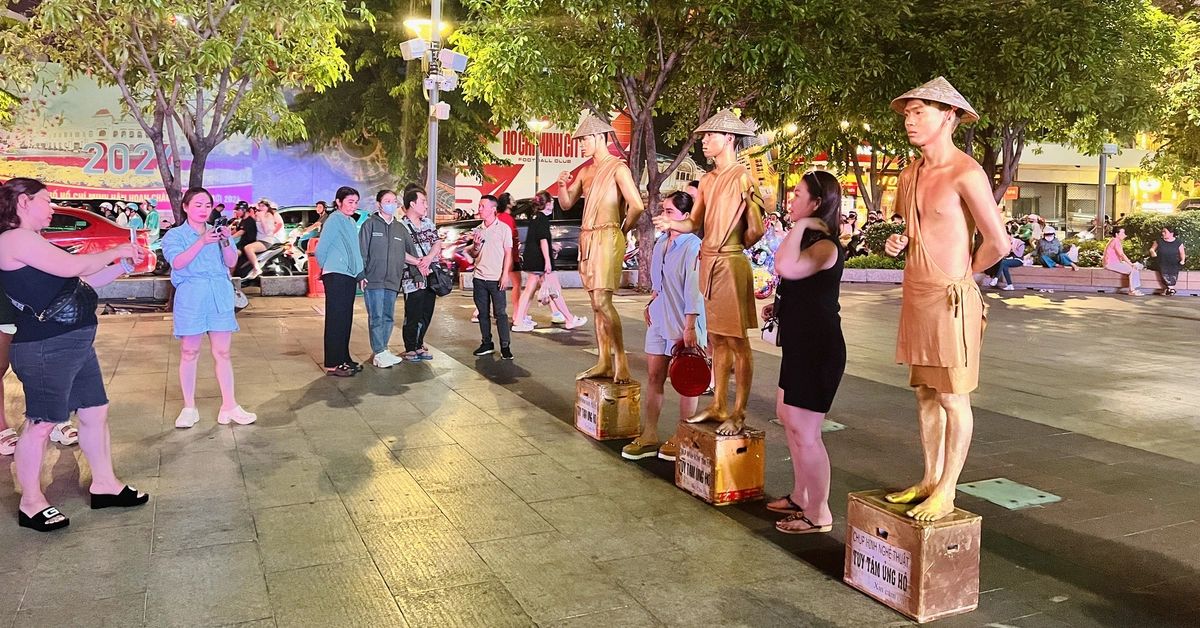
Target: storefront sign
{"x":1012,"y":193}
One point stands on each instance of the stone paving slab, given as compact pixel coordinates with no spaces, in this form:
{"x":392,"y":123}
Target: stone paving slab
{"x":455,"y":493}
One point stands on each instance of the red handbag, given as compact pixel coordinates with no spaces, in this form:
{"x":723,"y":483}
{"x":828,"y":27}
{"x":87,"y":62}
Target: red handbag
{"x":689,"y":371}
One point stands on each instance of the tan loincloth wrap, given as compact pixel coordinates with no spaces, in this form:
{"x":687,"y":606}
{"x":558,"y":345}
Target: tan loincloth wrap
{"x":601,"y":253}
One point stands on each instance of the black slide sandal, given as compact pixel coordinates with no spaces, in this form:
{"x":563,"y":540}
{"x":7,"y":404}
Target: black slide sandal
{"x":126,"y":498}
{"x":39,"y":521}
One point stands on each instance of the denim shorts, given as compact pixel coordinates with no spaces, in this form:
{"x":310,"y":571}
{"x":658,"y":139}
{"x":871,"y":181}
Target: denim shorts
{"x":60,"y":375}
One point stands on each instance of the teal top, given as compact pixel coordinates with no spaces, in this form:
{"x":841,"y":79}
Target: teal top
{"x":338,"y":250}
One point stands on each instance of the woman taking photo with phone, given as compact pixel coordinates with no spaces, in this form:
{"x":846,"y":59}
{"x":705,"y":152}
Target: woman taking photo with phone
{"x":809,"y":262}
{"x":200,"y":259}
{"x":52,"y":352}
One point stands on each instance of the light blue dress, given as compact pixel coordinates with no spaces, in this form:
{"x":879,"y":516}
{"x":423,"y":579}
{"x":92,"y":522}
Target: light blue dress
{"x":203,"y":290}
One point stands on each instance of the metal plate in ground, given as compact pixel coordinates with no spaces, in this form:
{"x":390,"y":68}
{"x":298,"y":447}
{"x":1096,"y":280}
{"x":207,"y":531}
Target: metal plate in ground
{"x":827,"y":426}
{"x":1011,"y":495}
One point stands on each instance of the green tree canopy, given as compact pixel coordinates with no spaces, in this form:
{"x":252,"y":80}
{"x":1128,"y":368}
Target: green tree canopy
{"x":1178,"y":157}
{"x":681,"y":60}
{"x":384,"y":104}
{"x":206,"y":69}
{"x":1080,"y":72}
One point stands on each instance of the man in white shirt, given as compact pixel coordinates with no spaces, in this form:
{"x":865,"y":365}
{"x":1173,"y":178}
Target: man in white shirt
{"x":492,"y":252}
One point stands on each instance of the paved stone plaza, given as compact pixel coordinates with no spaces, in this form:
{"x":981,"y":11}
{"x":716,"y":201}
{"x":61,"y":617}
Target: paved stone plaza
{"x":456,"y":493}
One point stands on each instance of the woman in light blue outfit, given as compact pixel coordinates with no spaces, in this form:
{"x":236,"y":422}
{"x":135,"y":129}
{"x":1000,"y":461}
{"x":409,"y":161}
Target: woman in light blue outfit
{"x":200,"y":259}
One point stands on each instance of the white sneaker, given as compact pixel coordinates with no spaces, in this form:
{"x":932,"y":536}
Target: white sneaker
{"x":558,"y":318}
{"x":187,"y":418}
{"x":523,"y":327}
{"x":578,"y":321}
{"x":1008,"y":287}
{"x":529,"y":321}
{"x":385,"y":360}
{"x":237,"y":415}
{"x":993,"y":281}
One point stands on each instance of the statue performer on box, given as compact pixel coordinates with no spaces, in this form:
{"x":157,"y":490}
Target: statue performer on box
{"x":729,"y":208}
{"x":612,"y":206}
{"x":944,"y":198}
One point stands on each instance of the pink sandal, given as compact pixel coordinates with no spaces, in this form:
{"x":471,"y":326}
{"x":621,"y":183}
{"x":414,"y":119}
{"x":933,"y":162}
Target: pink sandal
{"x":64,"y":434}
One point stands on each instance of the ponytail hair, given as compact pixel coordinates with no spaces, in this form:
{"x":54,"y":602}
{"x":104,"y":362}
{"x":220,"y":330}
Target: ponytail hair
{"x":10,"y":193}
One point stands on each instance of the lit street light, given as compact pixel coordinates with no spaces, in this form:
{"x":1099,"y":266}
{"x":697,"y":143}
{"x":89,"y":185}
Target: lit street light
{"x":537,"y":126}
{"x":441,"y":74}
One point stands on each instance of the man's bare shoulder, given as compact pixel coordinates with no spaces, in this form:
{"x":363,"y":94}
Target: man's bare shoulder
{"x":964,"y":164}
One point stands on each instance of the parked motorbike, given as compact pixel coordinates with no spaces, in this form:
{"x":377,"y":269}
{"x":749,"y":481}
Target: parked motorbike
{"x":280,"y":260}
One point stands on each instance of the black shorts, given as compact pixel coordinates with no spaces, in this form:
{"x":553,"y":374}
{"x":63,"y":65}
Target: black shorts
{"x":60,"y":375}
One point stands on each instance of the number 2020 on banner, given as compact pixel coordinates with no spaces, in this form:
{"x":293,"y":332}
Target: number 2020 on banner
{"x":119,"y":158}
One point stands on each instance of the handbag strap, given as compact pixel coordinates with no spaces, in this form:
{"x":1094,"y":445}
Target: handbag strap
{"x":46,"y":313}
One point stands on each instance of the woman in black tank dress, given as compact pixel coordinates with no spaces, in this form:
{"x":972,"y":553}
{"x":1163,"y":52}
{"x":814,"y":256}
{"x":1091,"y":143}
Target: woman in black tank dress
{"x":1171,"y":255}
{"x":809,"y":263}
{"x":52,"y":352}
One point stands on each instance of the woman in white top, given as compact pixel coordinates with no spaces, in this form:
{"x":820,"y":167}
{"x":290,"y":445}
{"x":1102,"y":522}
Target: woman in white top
{"x":270,"y":232}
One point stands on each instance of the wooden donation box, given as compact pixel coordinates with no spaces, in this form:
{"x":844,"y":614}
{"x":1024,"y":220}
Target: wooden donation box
{"x":925,"y":570}
{"x":720,"y":469}
{"x":608,"y":411}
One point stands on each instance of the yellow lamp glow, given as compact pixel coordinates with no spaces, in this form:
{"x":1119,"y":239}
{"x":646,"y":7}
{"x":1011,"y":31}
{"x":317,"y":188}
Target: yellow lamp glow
{"x":424,"y":28}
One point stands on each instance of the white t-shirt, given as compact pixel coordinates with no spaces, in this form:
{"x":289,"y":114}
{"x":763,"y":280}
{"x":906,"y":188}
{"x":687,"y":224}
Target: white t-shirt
{"x":489,"y":265}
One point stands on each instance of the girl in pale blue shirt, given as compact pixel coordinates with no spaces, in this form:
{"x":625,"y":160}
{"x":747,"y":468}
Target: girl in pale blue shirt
{"x":200,"y":259}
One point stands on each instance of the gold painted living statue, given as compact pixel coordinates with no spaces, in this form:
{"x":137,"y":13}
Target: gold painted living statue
{"x":944,"y":198}
{"x":612,"y":206}
{"x":729,"y":208}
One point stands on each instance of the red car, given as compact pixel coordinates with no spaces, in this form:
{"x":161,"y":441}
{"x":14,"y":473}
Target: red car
{"x":80,"y":231}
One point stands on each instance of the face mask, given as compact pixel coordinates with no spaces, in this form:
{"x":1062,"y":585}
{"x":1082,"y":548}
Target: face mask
{"x":388,"y":208}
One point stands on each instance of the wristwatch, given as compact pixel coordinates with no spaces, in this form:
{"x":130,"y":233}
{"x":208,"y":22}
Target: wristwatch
{"x":129,"y":268}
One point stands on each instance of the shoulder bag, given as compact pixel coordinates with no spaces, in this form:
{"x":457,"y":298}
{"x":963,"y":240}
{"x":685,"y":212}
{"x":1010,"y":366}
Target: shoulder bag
{"x":72,"y":303}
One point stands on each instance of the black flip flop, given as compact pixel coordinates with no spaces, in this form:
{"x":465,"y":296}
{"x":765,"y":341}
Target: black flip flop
{"x":811,"y":529}
{"x":39,"y":521}
{"x":791,"y":508}
{"x":128,"y":497}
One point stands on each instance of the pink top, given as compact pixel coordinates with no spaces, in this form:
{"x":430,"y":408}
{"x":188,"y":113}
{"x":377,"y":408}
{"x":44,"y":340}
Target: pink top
{"x":1111,"y":252}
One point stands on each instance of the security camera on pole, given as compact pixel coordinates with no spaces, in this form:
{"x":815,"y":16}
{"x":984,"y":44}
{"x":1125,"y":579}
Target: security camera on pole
{"x":441,"y":66}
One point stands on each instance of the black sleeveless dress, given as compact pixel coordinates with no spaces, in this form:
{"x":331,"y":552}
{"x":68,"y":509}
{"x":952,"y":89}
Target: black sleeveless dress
{"x":814,"y":351}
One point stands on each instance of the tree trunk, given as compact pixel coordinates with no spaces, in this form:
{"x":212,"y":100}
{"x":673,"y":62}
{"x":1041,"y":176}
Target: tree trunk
{"x":200,"y":153}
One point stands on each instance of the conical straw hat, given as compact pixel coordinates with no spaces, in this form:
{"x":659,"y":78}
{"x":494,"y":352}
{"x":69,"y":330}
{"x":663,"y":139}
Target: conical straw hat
{"x":589,"y":124}
{"x":938,"y":90}
{"x":726,"y":122}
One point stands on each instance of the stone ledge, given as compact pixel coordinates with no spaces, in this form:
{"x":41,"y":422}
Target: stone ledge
{"x":149,"y":287}
{"x":293,"y":286}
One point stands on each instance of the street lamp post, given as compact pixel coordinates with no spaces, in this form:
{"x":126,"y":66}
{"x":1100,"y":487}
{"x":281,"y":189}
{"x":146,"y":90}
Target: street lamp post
{"x":537,"y":126}
{"x":1105,"y":151}
{"x":441,"y":74}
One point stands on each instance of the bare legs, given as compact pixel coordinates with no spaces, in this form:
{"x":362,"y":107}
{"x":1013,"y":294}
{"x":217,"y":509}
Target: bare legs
{"x":609,"y":337}
{"x":252,"y":250}
{"x":946,"y":426}
{"x":810,"y":461}
{"x":219,"y":343}
{"x":522,"y":310}
{"x":189,"y":358}
{"x":658,"y":365}
{"x":93,"y":440}
{"x":729,"y":351}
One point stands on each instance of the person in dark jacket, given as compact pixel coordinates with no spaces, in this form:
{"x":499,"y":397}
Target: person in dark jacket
{"x":386,"y":248}
{"x":1050,"y":250}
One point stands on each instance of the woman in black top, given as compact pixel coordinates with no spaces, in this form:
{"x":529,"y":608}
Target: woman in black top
{"x":537,"y":261}
{"x":52,"y":354}
{"x":809,"y":262}
{"x":1171,"y":255}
